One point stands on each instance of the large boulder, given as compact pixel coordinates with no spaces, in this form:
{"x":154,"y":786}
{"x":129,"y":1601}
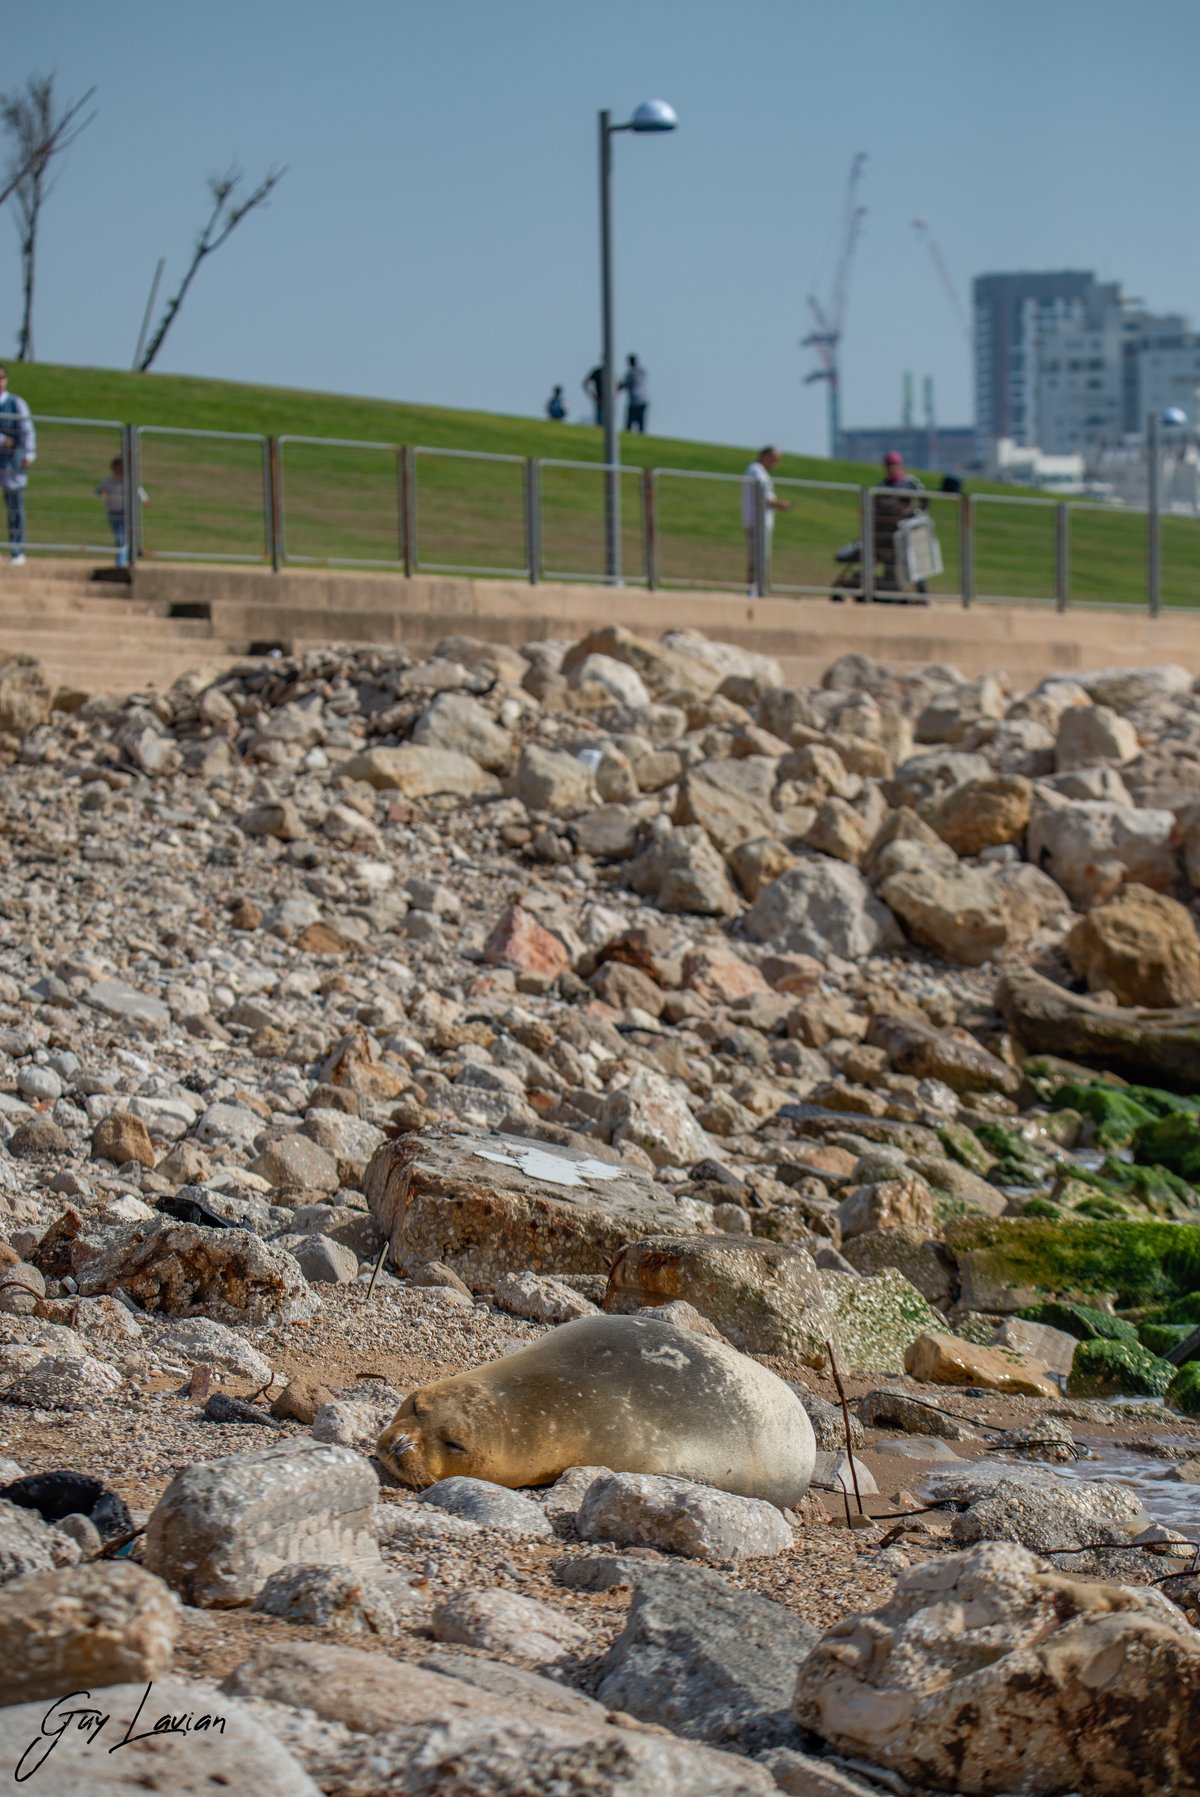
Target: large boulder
{"x":822,"y":908}
{"x":682,"y":871}
{"x":419,"y":771}
{"x":730,"y":800}
{"x":489,"y":1204}
{"x":1151,"y":1045}
{"x":1141,"y":946}
{"x":552,"y":781}
{"x":179,"y":1270}
{"x":988,"y":1672}
{"x":458,"y":723}
{"x":1092,"y":848}
{"x":24,"y":694}
{"x":1093,"y":736}
{"x":651,"y":1112}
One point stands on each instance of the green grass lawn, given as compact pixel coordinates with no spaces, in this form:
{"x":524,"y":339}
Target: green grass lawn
{"x":341,"y":503}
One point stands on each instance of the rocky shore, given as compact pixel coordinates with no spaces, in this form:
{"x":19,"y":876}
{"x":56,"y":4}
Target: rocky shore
{"x":362,"y":1019}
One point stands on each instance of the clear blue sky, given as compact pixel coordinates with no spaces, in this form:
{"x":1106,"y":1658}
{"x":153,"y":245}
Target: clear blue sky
{"x":436,"y":236}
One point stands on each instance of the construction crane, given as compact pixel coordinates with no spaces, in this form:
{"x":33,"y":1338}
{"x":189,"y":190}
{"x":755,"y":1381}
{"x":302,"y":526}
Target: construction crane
{"x":925,"y":236}
{"x":831,"y":320}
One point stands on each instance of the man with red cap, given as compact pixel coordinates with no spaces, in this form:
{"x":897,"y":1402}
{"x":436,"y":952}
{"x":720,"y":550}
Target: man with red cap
{"x":891,"y":508}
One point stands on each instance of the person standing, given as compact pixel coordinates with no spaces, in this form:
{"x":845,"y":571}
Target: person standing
{"x":18,"y":452}
{"x":112,"y":492}
{"x":891,"y":509}
{"x":635,"y":385}
{"x":756,"y":480}
{"x":556,"y":406}
{"x":593,"y":386}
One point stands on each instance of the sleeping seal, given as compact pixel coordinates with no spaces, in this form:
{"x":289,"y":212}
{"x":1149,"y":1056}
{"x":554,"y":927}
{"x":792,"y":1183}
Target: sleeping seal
{"x":631,"y":1393}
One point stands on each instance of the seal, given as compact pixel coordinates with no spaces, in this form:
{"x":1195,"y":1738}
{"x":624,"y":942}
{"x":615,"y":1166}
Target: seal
{"x":632,"y":1393}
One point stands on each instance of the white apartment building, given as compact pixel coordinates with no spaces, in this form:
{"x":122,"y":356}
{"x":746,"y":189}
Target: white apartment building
{"x":1079,"y":397}
{"x":1165,"y":370}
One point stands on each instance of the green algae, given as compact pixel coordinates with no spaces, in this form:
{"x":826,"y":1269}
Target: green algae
{"x":1117,"y":1369}
{"x":1160,"y":1338}
{"x":1171,"y":1142}
{"x":1133,"y":1263}
{"x":963,"y":1145}
{"x":1183,"y":1393}
{"x":1082,"y":1321}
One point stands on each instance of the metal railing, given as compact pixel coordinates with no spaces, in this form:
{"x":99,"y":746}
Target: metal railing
{"x":291,"y":500}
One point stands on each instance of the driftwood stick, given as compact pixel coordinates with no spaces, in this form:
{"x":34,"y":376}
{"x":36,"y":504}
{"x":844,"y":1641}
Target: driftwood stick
{"x":841,"y":1392}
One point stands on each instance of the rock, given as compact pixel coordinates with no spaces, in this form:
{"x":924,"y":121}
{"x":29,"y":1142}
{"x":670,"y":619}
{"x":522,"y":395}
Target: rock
{"x":222,"y":1527}
{"x":519,"y":941}
{"x":1038,"y":1341}
{"x":552,"y":781}
{"x":822,"y":908}
{"x":1141,"y":946}
{"x":839,"y":830}
{"x":1107,"y":1369}
{"x":652,"y":1113}
{"x":28,"y":1545}
{"x":25,"y":694}
{"x":540,"y":1298}
{"x":940,"y":1359}
{"x":989,"y":1672}
{"x":890,"y":1204}
{"x":952,"y":1056}
{"x":1091,"y":736}
{"x":486,"y":1205}
{"x":205,"y":1340}
{"x":83,"y":1627}
{"x":717,"y":972}
{"x":457,"y":723}
{"x":64,"y":1382}
{"x":956,"y":911}
{"x":884,"y":1409}
{"x":980,"y":814}
{"x":676,"y":1516}
{"x":682,"y":871}
{"x":36,"y":1136}
{"x":622,"y":683}
{"x":829,"y":1427}
{"x":126,"y":1005}
{"x":294,"y":1163}
{"x":350,"y":1140}
{"x":1142,"y":1044}
{"x":756,"y":863}
{"x":504,"y":1623}
{"x":952,"y":712}
{"x":419,"y":772}
{"x":219,"y":1746}
{"x":516,"y":1684}
{"x":326,"y":1262}
{"x":1092,"y":849}
{"x":708,"y":1662}
{"x":728,"y":802}
{"x":382,"y":1604}
{"x":764,"y":1297}
{"x":301,"y":1399}
{"x":178,"y":1269}
{"x":488,"y":1506}
{"x":1049,"y":1519}
{"x":119,"y":1138}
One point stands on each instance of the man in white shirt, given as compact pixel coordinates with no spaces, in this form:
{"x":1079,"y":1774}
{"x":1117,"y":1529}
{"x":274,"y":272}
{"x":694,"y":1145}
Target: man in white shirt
{"x":758,"y":478}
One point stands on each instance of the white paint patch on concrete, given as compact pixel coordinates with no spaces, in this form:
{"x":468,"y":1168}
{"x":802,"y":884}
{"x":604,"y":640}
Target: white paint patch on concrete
{"x":543,"y":1163}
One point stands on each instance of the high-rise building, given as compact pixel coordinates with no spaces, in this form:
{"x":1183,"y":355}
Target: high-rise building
{"x":1012,"y":313}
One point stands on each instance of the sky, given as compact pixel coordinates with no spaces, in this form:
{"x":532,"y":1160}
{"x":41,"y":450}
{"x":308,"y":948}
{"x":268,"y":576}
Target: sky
{"x":435,"y":238}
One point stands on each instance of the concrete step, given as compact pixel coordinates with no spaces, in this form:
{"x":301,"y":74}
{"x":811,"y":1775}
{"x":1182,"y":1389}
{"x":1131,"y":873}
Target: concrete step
{"x":96,"y":627}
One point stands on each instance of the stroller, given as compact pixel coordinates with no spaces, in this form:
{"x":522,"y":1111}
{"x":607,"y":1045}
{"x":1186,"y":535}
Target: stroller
{"x":907,"y":554}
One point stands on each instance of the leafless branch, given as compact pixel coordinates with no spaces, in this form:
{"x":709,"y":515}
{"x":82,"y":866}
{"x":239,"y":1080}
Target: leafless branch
{"x":222,"y":221}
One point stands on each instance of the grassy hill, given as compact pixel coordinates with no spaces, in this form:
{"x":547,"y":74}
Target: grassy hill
{"x":340,"y":503}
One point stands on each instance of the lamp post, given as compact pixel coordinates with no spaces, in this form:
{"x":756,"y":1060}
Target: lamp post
{"x":1172,"y":417}
{"x":650,"y":116}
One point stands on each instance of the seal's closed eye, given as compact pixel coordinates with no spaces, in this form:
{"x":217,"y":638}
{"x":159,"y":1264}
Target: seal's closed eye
{"x":455,"y":1447}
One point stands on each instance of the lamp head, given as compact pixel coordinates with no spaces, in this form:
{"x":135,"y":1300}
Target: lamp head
{"x":654,"y":115}
{"x":1171,"y":415}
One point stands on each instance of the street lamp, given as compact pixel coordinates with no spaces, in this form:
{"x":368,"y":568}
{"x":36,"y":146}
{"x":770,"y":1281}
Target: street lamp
{"x":1172,"y":418}
{"x":650,"y":116}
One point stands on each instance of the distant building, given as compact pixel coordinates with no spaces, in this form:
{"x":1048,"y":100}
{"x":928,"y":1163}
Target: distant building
{"x":948,"y":449}
{"x":1013,"y":312}
{"x":1161,"y":368}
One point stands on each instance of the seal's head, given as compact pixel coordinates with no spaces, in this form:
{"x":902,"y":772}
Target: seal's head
{"x":431,"y":1437}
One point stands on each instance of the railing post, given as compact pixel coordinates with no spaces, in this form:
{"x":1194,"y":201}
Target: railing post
{"x":1062,"y":555}
{"x":272,"y":502}
{"x":408,"y":510}
{"x":649,"y":529}
{"x":1153,"y":507}
{"x":866,"y":528}
{"x":533,"y":520}
{"x":133,"y":510}
{"x":966,"y":549}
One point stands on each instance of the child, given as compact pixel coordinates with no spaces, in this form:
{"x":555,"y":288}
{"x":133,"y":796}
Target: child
{"x":112,"y":492}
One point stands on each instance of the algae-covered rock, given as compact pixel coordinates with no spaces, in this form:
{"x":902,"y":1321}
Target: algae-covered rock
{"x":1006,"y":1264}
{"x":1160,"y":1338}
{"x":1131,"y":1191}
{"x":1116,"y":1114}
{"x":1179,"y":1310}
{"x":1171,"y":1142}
{"x":1017,"y":1161}
{"x":1083,"y":1322}
{"x":964,"y":1146}
{"x":1109,"y":1369}
{"x":1183,"y":1393}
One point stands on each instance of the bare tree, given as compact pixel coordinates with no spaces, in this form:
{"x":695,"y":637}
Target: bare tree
{"x":38,"y":133}
{"x":224,"y":218}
